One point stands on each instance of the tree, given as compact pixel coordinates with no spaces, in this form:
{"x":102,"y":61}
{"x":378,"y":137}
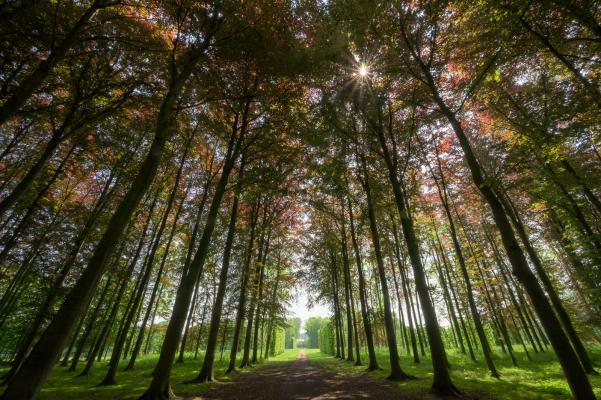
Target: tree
{"x":312,"y":326}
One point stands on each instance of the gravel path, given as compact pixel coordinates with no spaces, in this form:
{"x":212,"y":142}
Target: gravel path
{"x":300,"y":380}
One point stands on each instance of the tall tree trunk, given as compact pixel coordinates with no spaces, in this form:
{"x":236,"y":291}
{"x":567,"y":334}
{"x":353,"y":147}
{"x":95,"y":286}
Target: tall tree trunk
{"x":203,"y":316}
{"x":259,"y":302}
{"x":223,"y":338}
{"x":154,"y":297}
{"x":447,"y":296}
{"x":406,"y":293}
{"x":274,"y":294}
{"x":189,"y":255}
{"x":339,"y":315}
{"x":416,"y":316}
{"x":465,"y":327}
{"x":136,"y":302}
{"x":335,"y":301}
{"x":97,"y":343}
{"x":402,"y":327}
{"x":157,"y":283}
{"x":44,"y":310}
{"x":373,"y":362}
{"x":572,"y":368}
{"x":444,"y":199}
{"x":243,"y":288}
{"x":160,"y":387}
{"x":442,"y":383}
{"x":254,"y":292}
{"x":206,"y":371}
{"x":67,"y":355}
{"x":563,"y":315}
{"x":90,"y":326}
{"x":396,"y":372}
{"x":497,"y":311}
{"x":348,"y":289}
{"x":486,"y":350}
{"x":189,"y":321}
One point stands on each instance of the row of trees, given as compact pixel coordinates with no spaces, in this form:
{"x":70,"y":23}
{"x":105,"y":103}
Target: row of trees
{"x":312,"y":326}
{"x":147,"y":175}
{"x":456,"y":179}
{"x":292,"y":332}
{"x":327,"y":341}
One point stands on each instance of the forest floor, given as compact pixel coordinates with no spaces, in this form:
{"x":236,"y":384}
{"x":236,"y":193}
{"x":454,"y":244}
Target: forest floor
{"x":299,"y":380}
{"x":320,"y":376}
{"x":538,"y":379}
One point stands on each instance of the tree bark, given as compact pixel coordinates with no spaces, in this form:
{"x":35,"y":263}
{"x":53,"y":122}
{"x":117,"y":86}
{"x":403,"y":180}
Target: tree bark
{"x":28,"y":381}
{"x":406,"y":294}
{"x":160,"y":387}
{"x":140,"y":338}
{"x":243,"y":288}
{"x":254,"y":291}
{"x":563,"y":315}
{"x":575,"y":374}
{"x":442,"y":383}
{"x":259,"y":302}
{"x":348,"y":289}
{"x":396,"y":372}
{"x":206,"y":371}
{"x":373,"y":362}
{"x":33,"y":330}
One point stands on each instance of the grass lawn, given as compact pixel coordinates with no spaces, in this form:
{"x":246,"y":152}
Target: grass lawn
{"x":63,"y":385}
{"x":539,"y":379}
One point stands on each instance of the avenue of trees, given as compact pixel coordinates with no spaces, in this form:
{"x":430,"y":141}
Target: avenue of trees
{"x":313,"y":325}
{"x":292,"y":332}
{"x":170,"y":170}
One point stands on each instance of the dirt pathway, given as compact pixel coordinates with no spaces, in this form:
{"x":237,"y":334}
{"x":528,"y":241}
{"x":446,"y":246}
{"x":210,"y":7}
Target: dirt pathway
{"x":300,"y":380}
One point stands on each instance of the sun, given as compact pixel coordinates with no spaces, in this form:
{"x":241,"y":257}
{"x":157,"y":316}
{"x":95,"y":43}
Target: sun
{"x":363,"y":70}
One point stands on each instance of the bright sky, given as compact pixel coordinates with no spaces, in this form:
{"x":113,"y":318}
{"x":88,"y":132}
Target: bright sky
{"x":300,"y":309}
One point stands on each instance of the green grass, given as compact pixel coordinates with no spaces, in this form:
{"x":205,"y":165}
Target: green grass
{"x":314,"y":353}
{"x":539,"y":379}
{"x":286,"y":356}
{"x":63,"y":385}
